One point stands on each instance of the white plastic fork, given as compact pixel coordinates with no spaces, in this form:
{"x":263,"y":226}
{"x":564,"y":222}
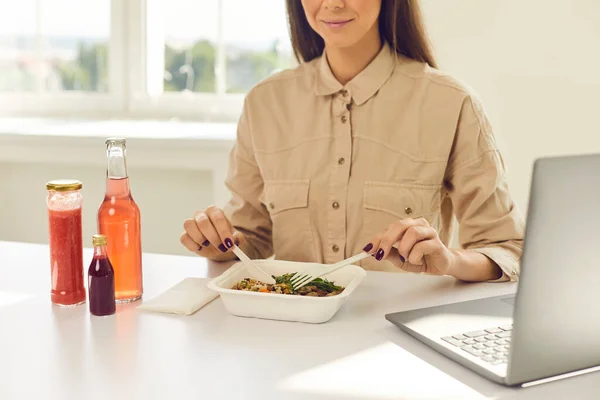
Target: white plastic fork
{"x":264,"y":277}
{"x":312,"y":273}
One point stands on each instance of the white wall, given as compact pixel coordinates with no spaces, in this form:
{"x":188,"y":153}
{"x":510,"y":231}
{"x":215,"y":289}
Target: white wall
{"x":535,"y":64}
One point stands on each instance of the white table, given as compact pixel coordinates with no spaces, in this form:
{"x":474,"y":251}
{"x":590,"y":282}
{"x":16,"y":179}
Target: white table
{"x":55,"y":353}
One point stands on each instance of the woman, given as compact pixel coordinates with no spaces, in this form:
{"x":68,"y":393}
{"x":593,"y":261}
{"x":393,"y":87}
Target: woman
{"x":365,"y":145}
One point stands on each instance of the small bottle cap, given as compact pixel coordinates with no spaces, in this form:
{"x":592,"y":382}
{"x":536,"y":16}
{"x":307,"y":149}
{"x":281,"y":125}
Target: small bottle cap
{"x":64,"y":185}
{"x":115,"y":141}
{"x":99,"y":240}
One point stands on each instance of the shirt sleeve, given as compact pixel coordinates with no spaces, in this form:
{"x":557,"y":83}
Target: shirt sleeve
{"x":244,"y":180}
{"x":489,"y":220}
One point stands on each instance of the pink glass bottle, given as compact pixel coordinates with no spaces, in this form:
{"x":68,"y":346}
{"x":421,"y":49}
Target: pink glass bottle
{"x":119,"y":220}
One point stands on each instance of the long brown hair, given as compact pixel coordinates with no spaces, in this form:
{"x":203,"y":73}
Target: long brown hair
{"x":400,"y":25}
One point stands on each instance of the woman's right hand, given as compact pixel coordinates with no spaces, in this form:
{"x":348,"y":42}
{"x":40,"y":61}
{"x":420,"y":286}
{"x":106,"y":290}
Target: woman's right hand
{"x":210,"y":234}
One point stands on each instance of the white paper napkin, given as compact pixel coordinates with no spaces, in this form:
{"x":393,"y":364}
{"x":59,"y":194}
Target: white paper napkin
{"x":185,"y":298}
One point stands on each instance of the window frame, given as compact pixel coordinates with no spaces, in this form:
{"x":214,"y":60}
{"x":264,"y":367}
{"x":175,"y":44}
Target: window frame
{"x":135,"y":81}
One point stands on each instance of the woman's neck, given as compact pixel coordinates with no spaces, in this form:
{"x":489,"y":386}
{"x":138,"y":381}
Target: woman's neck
{"x":347,"y":62}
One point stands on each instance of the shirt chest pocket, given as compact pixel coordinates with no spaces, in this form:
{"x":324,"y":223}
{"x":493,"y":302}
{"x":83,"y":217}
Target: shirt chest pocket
{"x":287,"y":203}
{"x":387,"y":202}
{"x":282,"y":196}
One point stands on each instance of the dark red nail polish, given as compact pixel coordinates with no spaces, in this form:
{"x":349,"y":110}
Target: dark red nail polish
{"x":206,"y":243}
{"x":368,"y":248}
{"x":199,"y":248}
{"x":379,"y":256}
{"x":237,"y":241}
{"x":228,"y":243}
{"x":402,"y":258}
{"x":223,"y":248}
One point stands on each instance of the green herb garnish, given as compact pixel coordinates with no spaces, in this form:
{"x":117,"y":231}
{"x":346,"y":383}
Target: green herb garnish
{"x":320,"y":283}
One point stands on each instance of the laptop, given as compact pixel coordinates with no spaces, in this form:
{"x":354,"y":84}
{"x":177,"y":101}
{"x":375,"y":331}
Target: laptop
{"x":551,"y":327}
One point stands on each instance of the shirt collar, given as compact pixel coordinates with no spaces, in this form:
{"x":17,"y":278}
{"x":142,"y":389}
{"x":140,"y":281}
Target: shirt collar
{"x":364,"y":85}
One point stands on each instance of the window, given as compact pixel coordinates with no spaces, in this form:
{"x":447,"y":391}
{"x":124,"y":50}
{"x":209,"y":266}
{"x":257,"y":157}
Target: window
{"x":191,"y":59}
{"x":213,"y":47}
{"x":44,"y":49}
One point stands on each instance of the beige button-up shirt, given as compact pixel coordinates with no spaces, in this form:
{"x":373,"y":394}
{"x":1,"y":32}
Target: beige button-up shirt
{"x":319,"y":168}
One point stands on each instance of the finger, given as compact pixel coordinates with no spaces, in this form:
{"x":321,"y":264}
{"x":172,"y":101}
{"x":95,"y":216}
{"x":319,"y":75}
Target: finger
{"x":412,"y":236}
{"x":231,"y":228}
{"x":223,"y":227}
{"x":415,"y":269}
{"x":208,"y":230}
{"x":236,"y":234}
{"x":395,"y":258}
{"x":238,"y":237}
{"x":395,"y":233}
{"x":373,"y":244}
{"x":189,"y":243}
{"x":192,"y":229}
{"x":204,"y":251}
{"x":421,"y":249}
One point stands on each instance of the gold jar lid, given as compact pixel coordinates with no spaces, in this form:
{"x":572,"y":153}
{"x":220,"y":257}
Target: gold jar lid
{"x":64,"y":185}
{"x":99,"y":240}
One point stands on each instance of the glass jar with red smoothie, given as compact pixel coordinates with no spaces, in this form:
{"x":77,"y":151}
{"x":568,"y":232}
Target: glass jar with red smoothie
{"x":64,"y":202}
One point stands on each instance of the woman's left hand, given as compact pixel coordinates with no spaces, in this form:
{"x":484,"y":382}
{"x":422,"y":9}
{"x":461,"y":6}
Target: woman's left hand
{"x":414,"y":246}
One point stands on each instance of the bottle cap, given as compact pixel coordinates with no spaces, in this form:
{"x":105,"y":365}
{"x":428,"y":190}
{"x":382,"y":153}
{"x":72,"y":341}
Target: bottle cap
{"x":64,"y":185}
{"x":115,"y":141}
{"x":99,"y":240}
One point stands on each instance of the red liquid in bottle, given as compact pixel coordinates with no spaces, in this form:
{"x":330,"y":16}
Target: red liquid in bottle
{"x":101,"y":282}
{"x":66,"y":257}
{"x":119,"y":220}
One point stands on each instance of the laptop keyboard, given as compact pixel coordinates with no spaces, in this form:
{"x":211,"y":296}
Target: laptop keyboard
{"x":491,"y":345}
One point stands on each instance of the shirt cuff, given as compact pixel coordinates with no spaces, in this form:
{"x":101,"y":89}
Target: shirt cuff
{"x":505,"y":260}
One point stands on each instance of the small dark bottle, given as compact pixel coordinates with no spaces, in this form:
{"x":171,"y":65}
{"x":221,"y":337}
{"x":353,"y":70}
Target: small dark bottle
{"x":101,"y":280}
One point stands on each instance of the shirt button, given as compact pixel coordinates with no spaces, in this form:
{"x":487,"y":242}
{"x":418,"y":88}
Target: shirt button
{"x":271,"y":206}
{"x":344,"y":93}
{"x":344,"y":119}
{"x":335,"y":248}
{"x":341,"y":161}
{"x":408,"y":211}
{"x":335,"y":205}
